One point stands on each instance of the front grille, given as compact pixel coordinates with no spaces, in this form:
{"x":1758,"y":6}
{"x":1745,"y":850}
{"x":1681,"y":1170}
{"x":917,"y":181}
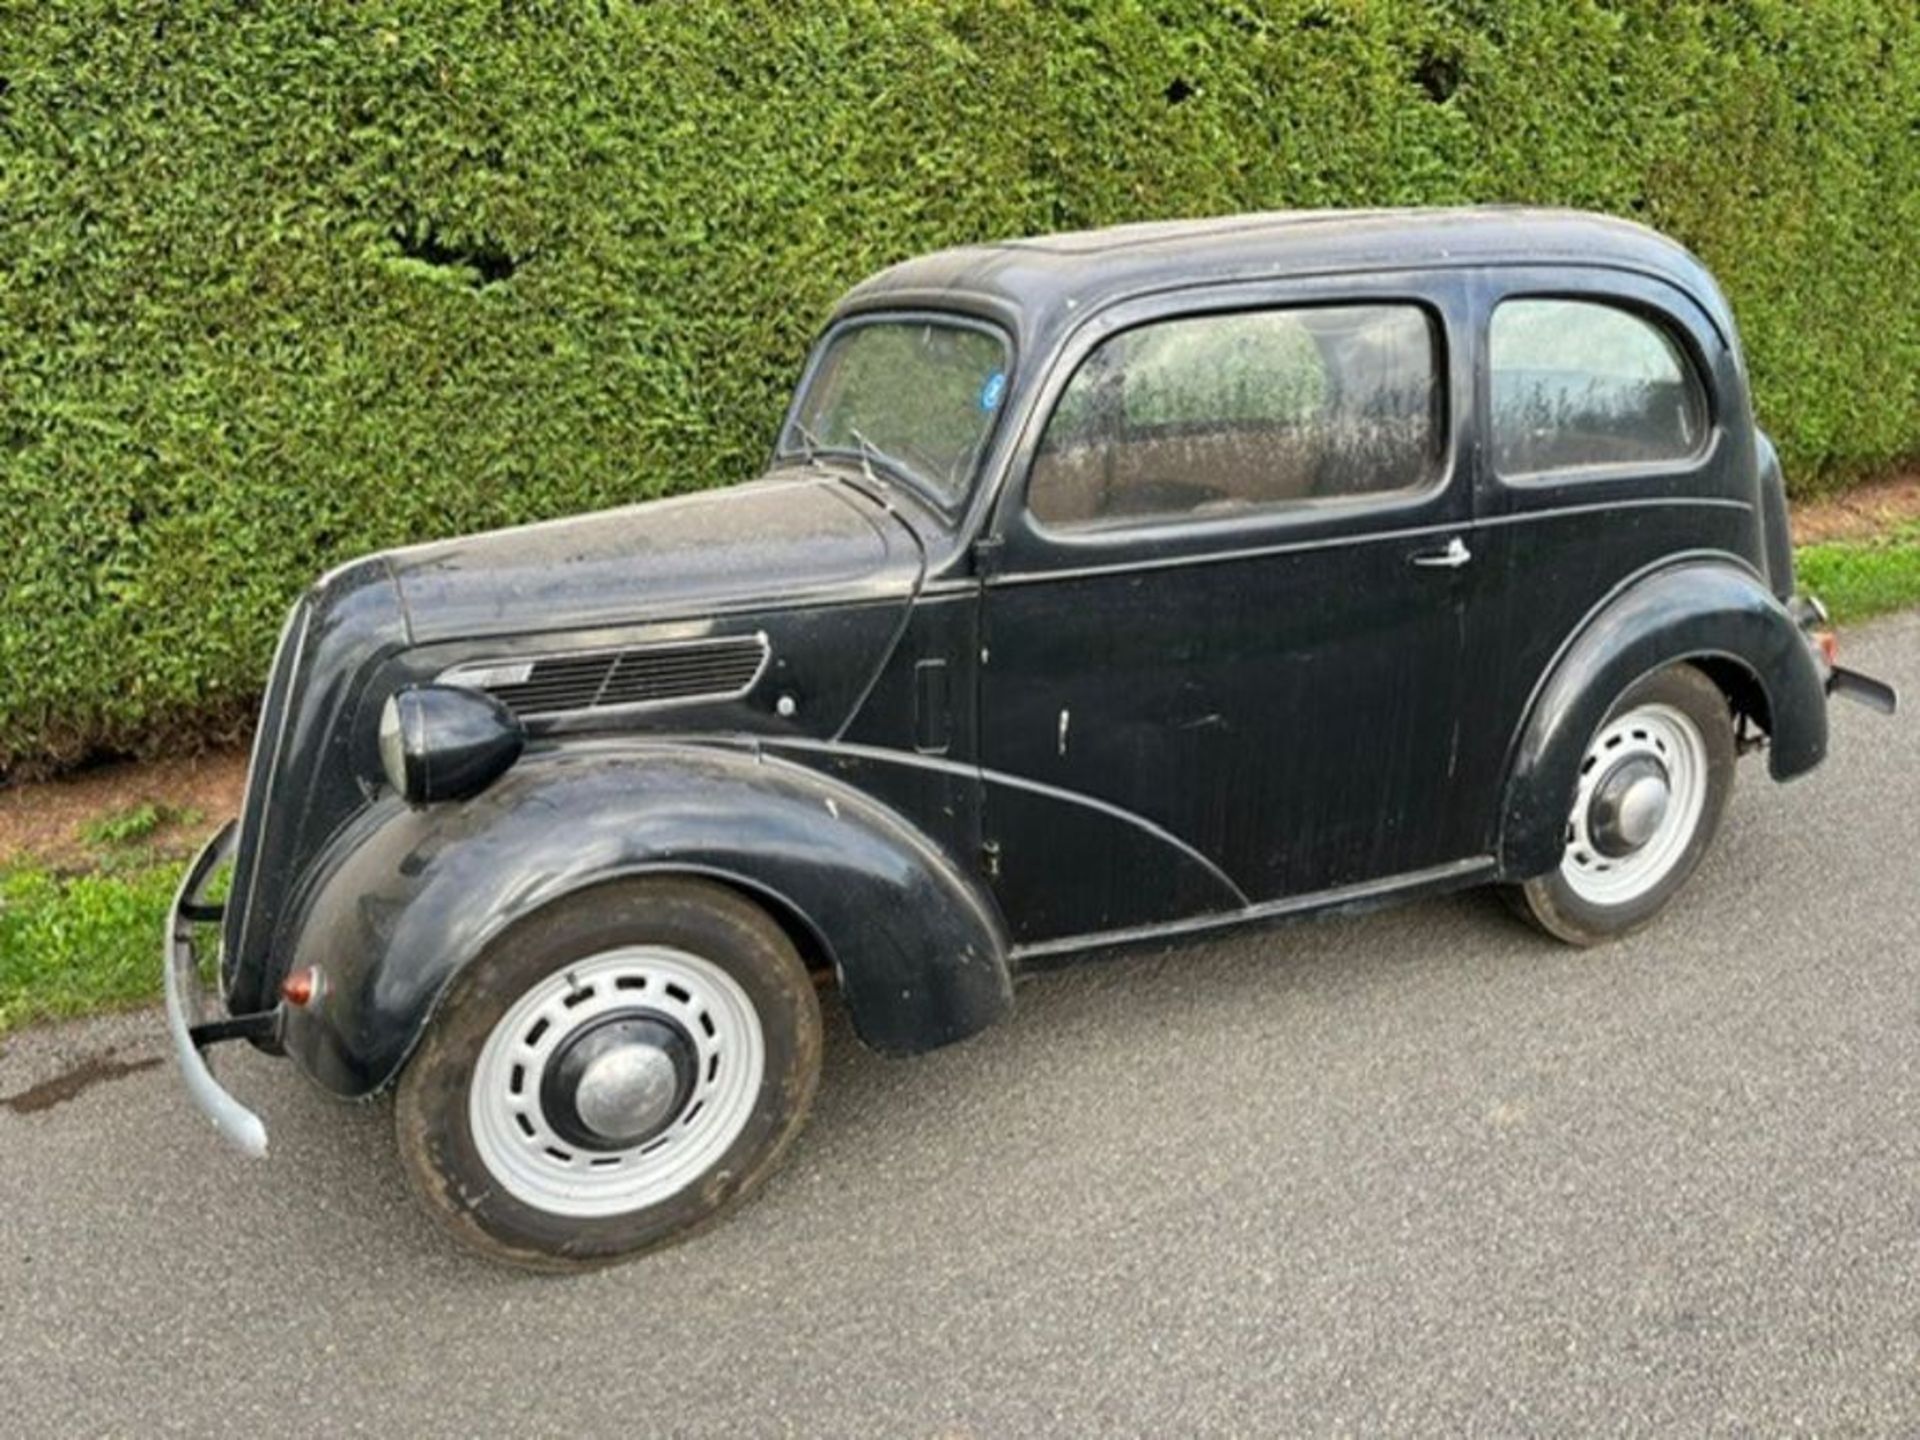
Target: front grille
{"x":260,"y":770}
{"x":672,"y":672}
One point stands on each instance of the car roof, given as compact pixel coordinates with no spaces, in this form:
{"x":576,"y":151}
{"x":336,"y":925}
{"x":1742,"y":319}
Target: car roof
{"x":1043,"y":280}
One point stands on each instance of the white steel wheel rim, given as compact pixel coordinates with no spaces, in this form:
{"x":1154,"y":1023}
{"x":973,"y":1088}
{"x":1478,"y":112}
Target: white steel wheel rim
{"x":514,"y":1136}
{"x":1660,"y":733}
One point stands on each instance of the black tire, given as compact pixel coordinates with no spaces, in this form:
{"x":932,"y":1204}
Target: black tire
{"x":1551,"y":901}
{"x":431,"y":1113}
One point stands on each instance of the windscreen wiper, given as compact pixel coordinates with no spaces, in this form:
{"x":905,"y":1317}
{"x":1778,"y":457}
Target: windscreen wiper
{"x":870,"y":452}
{"x":867,"y":451}
{"x":810,"y":442}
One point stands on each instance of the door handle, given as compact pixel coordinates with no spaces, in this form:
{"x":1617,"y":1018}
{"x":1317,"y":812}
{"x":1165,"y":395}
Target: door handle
{"x":1452,"y":558}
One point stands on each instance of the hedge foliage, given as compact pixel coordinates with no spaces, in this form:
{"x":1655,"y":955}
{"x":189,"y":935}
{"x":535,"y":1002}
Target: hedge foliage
{"x":282,"y":282}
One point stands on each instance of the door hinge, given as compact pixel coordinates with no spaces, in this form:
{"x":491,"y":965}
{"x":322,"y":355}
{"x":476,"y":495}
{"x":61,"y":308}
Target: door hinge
{"x":990,"y":858}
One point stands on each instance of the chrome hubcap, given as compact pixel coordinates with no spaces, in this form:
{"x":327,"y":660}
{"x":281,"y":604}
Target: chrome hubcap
{"x":627,"y":1092}
{"x":1628,"y":805}
{"x":618,"y":1081}
{"x":1641,"y":793}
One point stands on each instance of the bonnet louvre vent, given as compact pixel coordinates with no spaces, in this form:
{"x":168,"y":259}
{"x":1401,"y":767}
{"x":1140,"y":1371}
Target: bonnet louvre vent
{"x":669,"y":673}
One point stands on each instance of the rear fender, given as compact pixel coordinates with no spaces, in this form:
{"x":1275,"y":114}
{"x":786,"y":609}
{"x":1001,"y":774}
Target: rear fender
{"x":406,"y":898}
{"x":1710,"y":611}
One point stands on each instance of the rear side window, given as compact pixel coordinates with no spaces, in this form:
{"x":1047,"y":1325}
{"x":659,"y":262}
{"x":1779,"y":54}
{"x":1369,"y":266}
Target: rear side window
{"x":1217,"y":414}
{"x":1578,"y":385}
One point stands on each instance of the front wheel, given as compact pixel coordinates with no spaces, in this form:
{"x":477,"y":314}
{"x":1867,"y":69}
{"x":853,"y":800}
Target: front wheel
{"x":1653,"y":785}
{"x":614,"y":1072}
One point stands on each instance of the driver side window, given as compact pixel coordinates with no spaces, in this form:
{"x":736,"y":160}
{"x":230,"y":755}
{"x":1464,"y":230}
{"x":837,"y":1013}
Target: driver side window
{"x":1217,"y":414}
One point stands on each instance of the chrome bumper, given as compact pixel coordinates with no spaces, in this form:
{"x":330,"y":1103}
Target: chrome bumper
{"x":185,"y":1003}
{"x":1862,"y":689}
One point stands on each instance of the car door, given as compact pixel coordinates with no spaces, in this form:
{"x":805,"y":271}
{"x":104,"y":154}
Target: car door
{"x":1226,"y":608}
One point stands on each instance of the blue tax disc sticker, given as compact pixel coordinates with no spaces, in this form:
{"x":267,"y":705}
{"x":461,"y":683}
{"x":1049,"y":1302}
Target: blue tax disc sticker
{"x":991,"y":392}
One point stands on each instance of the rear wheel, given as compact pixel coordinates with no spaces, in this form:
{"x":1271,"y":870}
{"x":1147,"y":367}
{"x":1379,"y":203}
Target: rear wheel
{"x":1653,"y":785}
{"x":616,"y":1071}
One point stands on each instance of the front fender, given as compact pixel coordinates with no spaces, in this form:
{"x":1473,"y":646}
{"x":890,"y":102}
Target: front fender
{"x":405,"y":898}
{"x":1705,"y":610}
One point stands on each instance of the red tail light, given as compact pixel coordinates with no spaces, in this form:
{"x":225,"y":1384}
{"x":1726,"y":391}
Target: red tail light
{"x":1828,"y":644}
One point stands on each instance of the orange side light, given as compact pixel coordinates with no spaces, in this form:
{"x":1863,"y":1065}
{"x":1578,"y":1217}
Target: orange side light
{"x":301,"y":987}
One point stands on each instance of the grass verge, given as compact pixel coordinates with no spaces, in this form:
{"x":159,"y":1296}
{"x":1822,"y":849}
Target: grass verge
{"x":74,"y":945}
{"x":1858,"y":578}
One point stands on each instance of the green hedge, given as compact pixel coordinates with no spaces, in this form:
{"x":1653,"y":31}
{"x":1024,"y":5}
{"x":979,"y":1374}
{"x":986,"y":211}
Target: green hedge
{"x":283,"y":282}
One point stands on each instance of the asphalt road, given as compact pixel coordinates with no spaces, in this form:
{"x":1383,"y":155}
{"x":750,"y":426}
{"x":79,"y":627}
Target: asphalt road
{"x":1410,"y":1171}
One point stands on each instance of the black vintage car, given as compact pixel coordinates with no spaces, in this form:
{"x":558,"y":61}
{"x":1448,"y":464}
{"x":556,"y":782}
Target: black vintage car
{"x":1103,"y":588}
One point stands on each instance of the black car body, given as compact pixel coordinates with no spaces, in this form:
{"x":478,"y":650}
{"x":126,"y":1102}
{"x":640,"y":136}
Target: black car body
{"x":1146,"y":659}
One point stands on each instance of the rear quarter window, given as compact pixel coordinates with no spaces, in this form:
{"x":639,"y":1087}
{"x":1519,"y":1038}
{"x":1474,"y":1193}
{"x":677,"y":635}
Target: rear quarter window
{"x":1579,"y":385}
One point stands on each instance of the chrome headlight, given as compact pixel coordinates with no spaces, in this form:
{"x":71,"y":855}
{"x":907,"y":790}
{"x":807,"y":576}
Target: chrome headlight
{"x":440,"y":742}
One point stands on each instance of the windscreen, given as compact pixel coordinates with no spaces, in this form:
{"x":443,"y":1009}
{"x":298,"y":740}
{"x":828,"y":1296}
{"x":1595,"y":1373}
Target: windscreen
{"x":915,"y":397}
